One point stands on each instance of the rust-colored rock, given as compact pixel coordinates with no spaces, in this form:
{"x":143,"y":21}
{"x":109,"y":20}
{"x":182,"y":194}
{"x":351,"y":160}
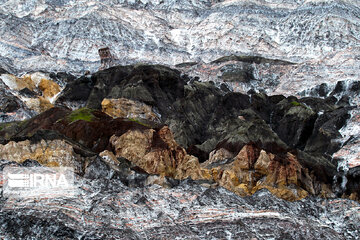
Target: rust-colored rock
{"x":218,"y":155}
{"x":247,"y":157}
{"x":109,"y":157}
{"x":26,"y":82}
{"x":253,"y":169}
{"x":284,"y":170}
{"x":263,"y":162}
{"x":133,"y":144}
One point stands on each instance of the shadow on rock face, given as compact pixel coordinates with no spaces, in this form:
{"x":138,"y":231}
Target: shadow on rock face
{"x":201,"y":118}
{"x":353,"y":183}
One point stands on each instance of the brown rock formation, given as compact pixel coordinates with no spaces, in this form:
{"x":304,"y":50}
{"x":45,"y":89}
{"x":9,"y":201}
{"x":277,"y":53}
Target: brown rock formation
{"x":45,"y":90}
{"x":44,"y":104}
{"x":253,"y":169}
{"x":93,"y":128}
{"x":219,"y":154}
{"x":246,"y":157}
{"x":109,"y":157}
{"x":54,"y":153}
{"x":156,"y":179}
{"x":126,"y":108}
{"x":156,"y":152}
{"x":48,"y":88}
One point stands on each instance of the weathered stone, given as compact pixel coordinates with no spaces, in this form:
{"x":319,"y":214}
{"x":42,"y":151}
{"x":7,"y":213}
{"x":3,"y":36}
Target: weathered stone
{"x":157,"y":153}
{"x":203,"y":119}
{"x":126,"y":108}
{"x":109,"y":157}
{"x":263,"y":162}
{"x":48,"y":88}
{"x":98,"y":169}
{"x":53,"y":153}
{"x":246,"y":157}
{"x":8,"y":102}
{"x":159,"y":180}
{"x":283,"y":171}
{"x":353,"y":183}
{"x":218,"y":155}
{"x":39,"y":90}
{"x":133,"y":144}
{"x":254,"y":169}
{"x":76,"y":92}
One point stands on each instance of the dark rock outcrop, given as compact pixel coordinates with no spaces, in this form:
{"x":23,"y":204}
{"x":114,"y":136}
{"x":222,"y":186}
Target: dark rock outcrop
{"x":9,"y":103}
{"x":205,"y":118}
{"x":202,"y":120}
{"x":76,"y":91}
{"x":3,"y":71}
{"x":197,"y":111}
{"x":91,"y":128}
{"x":353,"y":183}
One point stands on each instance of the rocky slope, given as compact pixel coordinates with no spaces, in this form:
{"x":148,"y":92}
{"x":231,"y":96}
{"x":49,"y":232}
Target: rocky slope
{"x":277,"y":47}
{"x":146,"y":125}
{"x":260,"y":105}
{"x":167,"y":124}
{"x":320,"y":37}
{"x":107,"y":208}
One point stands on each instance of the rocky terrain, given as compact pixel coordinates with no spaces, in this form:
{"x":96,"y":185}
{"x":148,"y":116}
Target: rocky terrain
{"x":156,"y":140}
{"x":107,"y":208}
{"x":320,"y":38}
{"x":219,"y":119}
{"x":280,"y":47}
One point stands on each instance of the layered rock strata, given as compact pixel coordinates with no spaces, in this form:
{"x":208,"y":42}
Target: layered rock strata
{"x":109,"y":205}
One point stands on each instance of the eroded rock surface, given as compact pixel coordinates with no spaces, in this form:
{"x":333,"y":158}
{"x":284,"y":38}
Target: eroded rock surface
{"x":125,"y":108}
{"x":206,"y":118}
{"x":107,"y":208}
{"x":157,"y":153}
{"x":320,"y":37}
{"x":253,"y":169}
{"x":24,"y":96}
{"x":139,"y":135}
{"x":199,"y":122}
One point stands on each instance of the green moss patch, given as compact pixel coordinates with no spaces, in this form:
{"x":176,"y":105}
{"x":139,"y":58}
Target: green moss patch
{"x":295,"y":103}
{"x":85,"y":114}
